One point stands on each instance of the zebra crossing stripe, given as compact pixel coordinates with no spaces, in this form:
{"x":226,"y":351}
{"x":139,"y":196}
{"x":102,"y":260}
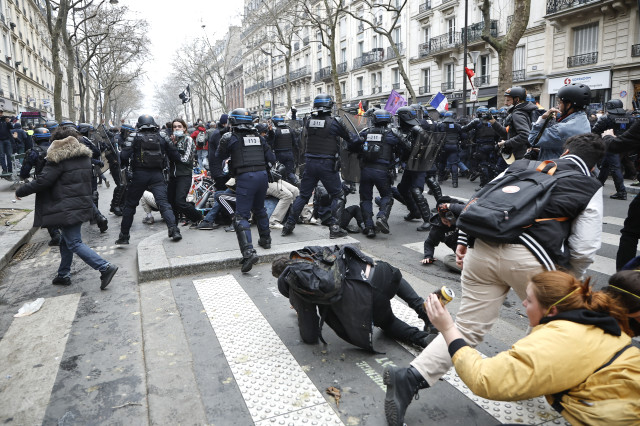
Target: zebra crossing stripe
{"x":612,"y":220}
{"x":31,"y":352}
{"x":273,"y":385}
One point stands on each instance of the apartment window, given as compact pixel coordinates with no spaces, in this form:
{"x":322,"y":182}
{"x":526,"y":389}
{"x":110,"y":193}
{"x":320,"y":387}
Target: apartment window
{"x":374,"y":42}
{"x":360,"y":48}
{"x":319,"y":64}
{"x":426,"y":80}
{"x":585,"y":39}
{"x":343,"y":27}
{"x":359,"y":83}
{"x":518,"y":59}
{"x":319,"y":38}
{"x":426,"y":34}
{"x":451,"y":29}
{"x":343,"y":51}
{"x":450,"y":74}
{"x":484,"y":65}
{"x":396,"y":75}
{"x":374,"y":82}
{"x":397,"y":35}
{"x":9,"y":84}
{"x":343,"y":88}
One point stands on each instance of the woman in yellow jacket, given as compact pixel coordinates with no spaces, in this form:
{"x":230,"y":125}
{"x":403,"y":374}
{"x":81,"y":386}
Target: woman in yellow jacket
{"x":578,"y":354}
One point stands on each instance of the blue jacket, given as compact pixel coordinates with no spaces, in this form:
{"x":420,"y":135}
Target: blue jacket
{"x":557,"y":133}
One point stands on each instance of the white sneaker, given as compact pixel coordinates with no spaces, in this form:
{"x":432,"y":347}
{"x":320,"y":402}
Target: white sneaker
{"x":276,"y":225}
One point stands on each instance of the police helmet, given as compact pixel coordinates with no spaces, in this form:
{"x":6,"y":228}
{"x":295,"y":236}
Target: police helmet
{"x":531,"y":98}
{"x":262,"y":128}
{"x":419,"y":110}
{"x":448,"y":117}
{"x":68,"y":124}
{"x":85,"y":128}
{"x":578,"y":94}
{"x":279,"y":120}
{"x":502,"y":111}
{"x":493,"y":110}
{"x":146,"y":121}
{"x":481,"y":111}
{"x":407,"y":115}
{"x":381,"y":117}
{"x":614,"y":106}
{"x":127,"y":128}
{"x":51,"y":124}
{"x":241,"y":118}
{"x":323,"y":102}
{"x":41,"y":134}
{"x":516,"y":92}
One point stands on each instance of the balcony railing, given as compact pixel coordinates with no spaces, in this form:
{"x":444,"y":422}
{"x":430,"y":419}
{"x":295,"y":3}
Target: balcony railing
{"x":554,"y":6}
{"x":323,"y":73}
{"x":307,"y":98}
{"x":579,"y":60}
{"x":635,"y":50}
{"x":423,"y":90}
{"x":300,"y":72}
{"x":298,"y":100}
{"x":480,"y":81}
{"x":518,"y":75}
{"x":360,"y":92}
{"x":444,"y":42}
{"x":425,"y":6}
{"x":368,"y":58}
{"x":424,"y":49}
{"x":474,"y":32}
{"x":279,"y":81}
{"x":448,"y":86}
{"x":395,"y":86}
{"x":376,"y":89}
{"x":391,"y":54}
{"x":342,"y":67}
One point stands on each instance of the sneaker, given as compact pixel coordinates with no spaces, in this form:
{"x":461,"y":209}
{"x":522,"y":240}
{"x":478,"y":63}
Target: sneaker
{"x":424,"y":227}
{"x":107,"y":275}
{"x":106,"y":182}
{"x":207,"y":226}
{"x":382,"y":225}
{"x":636,"y":183}
{"x":619,"y":196}
{"x":353,"y":229}
{"x":412,"y":216}
{"x":473,"y":176}
{"x":336,"y":232}
{"x":149,"y":220}
{"x":58,"y":280}
{"x":369,"y":232}
{"x":174,"y":233}
{"x":230,"y":228}
{"x":287,"y":229}
{"x":276,"y":225}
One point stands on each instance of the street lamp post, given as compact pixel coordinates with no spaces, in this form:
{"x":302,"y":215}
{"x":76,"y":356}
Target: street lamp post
{"x":465,"y":34}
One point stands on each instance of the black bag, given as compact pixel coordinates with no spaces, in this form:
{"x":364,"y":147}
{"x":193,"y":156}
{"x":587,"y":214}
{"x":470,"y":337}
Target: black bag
{"x":502,"y":210}
{"x":151,"y":155}
{"x":201,"y":139}
{"x":317,"y":278}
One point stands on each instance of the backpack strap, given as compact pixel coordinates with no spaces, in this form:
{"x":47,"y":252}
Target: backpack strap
{"x":544,"y":165}
{"x":557,"y":397}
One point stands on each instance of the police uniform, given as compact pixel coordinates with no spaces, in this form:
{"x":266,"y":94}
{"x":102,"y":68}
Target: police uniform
{"x":322,"y":147}
{"x":249,"y":154}
{"x":378,"y":152}
{"x":96,"y":161}
{"x":146,"y":152}
{"x":451,"y":151}
{"x":283,"y":140}
{"x":618,"y":120}
{"x":485,"y":138}
{"x":119,"y":192}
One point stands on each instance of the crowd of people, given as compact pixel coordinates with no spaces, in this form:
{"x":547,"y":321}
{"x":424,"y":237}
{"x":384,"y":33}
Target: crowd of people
{"x":266,"y":173}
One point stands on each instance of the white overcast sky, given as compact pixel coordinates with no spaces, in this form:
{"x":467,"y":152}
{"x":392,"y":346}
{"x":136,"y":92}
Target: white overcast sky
{"x":172,"y":23}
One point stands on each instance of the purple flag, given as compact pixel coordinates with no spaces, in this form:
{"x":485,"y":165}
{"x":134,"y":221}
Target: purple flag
{"x":394,"y":102}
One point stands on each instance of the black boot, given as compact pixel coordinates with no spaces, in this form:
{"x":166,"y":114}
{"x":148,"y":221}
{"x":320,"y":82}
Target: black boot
{"x":122,"y":239}
{"x":619,"y":196}
{"x":454,"y":180}
{"x":369,"y":232}
{"x":423,"y":206}
{"x":249,"y":256}
{"x":54,"y":233}
{"x":402,"y":385}
{"x":103,"y":223}
{"x":174,"y":233}
{"x":287,"y":229}
{"x":434,"y":187}
{"x":381,"y":224}
{"x":336,"y":232}
{"x":265,"y":241}
{"x":397,"y":196}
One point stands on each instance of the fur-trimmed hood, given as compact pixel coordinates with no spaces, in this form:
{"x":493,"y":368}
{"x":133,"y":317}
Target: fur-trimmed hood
{"x":64,"y":149}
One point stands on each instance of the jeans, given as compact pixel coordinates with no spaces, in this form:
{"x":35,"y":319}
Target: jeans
{"x":611,"y":165}
{"x":70,"y":243}
{"x":215,"y":208}
{"x":6,"y":150}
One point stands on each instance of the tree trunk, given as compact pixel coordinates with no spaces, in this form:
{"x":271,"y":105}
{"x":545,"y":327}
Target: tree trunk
{"x":407,"y":83}
{"x":71,"y":59}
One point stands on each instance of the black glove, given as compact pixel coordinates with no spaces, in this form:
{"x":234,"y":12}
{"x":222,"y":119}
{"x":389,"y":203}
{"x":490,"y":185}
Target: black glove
{"x":100,"y":164}
{"x":487,"y":116}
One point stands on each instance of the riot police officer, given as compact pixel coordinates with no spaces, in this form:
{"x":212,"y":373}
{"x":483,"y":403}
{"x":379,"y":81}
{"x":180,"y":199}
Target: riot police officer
{"x":431,"y":175}
{"x":485,"y":139}
{"x":411,"y":185}
{"x":321,"y":133}
{"x":119,"y":192}
{"x":451,"y":151}
{"x":619,"y":121}
{"x":146,"y":151}
{"x":35,"y":159}
{"x":96,"y":161}
{"x":378,"y":152}
{"x":250,"y":156}
{"x":283,"y":140}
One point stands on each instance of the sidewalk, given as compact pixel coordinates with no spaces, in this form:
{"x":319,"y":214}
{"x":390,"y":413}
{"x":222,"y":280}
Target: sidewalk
{"x":15,"y":229}
{"x":205,"y":251}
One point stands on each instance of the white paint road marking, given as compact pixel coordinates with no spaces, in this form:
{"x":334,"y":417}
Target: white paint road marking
{"x":273,"y":385}
{"x":612,"y":220}
{"x":31,"y":351}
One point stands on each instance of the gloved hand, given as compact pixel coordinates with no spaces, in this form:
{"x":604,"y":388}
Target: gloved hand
{"x":100,"y":164}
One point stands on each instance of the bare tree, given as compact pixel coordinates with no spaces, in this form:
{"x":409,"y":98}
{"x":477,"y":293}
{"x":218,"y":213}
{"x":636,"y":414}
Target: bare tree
{"x":506,"y":45}
{"x":324,"y":20}
{"x":372,"y":18}
{"x":127,"y":99}
{"x":166,"y":102}
{"x":221,"y":57}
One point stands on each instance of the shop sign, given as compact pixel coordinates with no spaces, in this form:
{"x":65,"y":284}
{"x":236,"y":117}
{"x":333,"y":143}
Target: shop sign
{"x":595,"y":81}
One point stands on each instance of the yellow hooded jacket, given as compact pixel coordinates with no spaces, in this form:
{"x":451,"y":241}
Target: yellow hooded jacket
{"x":562,"y":355}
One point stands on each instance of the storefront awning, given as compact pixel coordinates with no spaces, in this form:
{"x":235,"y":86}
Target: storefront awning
{"x":481,"y":99}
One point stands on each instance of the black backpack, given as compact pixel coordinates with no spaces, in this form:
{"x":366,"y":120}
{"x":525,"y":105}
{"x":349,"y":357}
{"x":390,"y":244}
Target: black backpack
{"x":318,"y":275}
{"x":151,"y":155}
{"x":502,"y":210}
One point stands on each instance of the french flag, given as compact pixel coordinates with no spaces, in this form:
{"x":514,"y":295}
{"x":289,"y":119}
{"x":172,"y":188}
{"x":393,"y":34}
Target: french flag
{"x":440,"y":102}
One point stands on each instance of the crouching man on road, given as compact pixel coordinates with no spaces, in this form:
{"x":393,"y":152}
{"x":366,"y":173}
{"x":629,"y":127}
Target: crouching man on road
{"x":64,"y":200}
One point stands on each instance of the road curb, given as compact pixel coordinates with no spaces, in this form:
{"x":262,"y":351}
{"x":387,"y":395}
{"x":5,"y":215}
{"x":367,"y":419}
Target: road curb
{"x":154,"y":265}
{"x":15,"y":237}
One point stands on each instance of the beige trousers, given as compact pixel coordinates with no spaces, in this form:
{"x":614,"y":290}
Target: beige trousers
{"x":285,"y":193}
{"x":489,"y":271}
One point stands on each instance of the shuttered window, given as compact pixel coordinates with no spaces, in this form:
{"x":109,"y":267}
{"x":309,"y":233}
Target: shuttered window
{"x":585,"y":39}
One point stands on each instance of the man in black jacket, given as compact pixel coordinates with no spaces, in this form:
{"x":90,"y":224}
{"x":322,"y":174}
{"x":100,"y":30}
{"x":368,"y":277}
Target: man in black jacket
{"x":215,"y":163}
{"x":64,"y":199}
{"x":6,"y":144}
{"x":519,"y":123}
{"x":367,"y":289}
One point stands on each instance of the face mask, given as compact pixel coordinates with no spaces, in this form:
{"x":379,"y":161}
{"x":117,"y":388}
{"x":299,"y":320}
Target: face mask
{"x":178,"y":133}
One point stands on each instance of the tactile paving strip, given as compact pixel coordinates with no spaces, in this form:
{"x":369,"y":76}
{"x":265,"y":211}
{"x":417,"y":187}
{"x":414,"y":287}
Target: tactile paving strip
{"x":273,"y":385}
{"x":534,"y":411}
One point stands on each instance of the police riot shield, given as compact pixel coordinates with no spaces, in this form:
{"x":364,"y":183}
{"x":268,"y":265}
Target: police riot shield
{"x":298,"y":154}
{"x":350,"y":163}
{"x":101,"y":138}
{"x":424,"y":151}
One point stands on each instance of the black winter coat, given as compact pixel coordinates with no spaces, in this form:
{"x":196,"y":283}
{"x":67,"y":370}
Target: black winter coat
{"x":519,"y":123}
{"x":63,"y":189}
